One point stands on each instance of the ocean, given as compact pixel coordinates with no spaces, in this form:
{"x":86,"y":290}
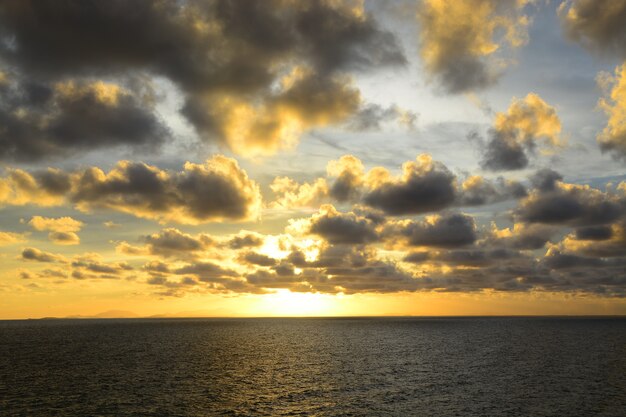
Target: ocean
{"x":314,"y":367}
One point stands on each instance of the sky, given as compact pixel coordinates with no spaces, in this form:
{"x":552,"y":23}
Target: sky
{"x":319,"y":158}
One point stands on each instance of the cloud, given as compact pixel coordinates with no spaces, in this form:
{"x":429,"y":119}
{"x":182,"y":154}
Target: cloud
{"x":345,"y":177}
{"x":90,"y":266}
{"x":557,"y":202}
{"x":216,"y":190}
{"x":546,"y":179}
{"x":371,"y":116}
{"x":43,"y":188}
{"x":172,"y":242}
{"x":597,"y":233}
{"x":348,"y":173}
{"x":339,"y":269}
{"x":46,"y":120}
{"x":258,"y":259}
{"x":528,"y":123}
{"x":363,"y":251}
{"x":425,"y":186}
{"x":467,"y":258}
{"x":557,"y":260}
{"x":10,"y":238}
{"x":460,"y":42}
{"x":246,"y":70}
{"x":521,"y":236}
{"x":104,"y":269}
{"x":597,"y":25}
{"x":304,"y":101}
{"x":338,"y":228}
{"x":438,"y":253}
{"x":245,"y":240}
{"x":62,"y":230}
{"x":290,"y":194}
{"x":111,"y":225}
{"x":478,"y":191}
{"x":64,"y":238}
{"x":612,"y":244}
{"x":445,"y":231}
{"x":613,"y":136}
{"x":34,"y":254}
{"x":59,"y":224}
{"x":48,"y":273}
{"x":205,"y":271}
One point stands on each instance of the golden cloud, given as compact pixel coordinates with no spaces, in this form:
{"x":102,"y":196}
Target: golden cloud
{"x":262,"y":127}
{"x":613,"y":137}
{"x":10,"y":238}
{"x":459,"y":39}
{"x":215,"y":190}
{"x":528,"y":124}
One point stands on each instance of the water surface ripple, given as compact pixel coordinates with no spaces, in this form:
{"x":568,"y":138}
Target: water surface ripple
{"x":314,"y":367}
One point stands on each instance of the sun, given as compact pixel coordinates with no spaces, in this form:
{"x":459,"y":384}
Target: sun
{"x":284,"y":303}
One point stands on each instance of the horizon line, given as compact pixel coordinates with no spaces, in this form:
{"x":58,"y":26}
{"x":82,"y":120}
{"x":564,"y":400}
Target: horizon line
{"x":158,"y":317}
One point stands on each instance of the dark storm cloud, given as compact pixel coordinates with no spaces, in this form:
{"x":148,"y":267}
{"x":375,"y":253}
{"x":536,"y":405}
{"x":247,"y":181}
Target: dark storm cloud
{"x":217,"y":52}
{"x":446,"y":231}
{"x":41,"y":121}
{"x":598,"y":25}
{"x":425,"y":186}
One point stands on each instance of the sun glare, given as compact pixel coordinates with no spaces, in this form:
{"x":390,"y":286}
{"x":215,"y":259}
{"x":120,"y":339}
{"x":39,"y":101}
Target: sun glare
{"x":286,"y":303}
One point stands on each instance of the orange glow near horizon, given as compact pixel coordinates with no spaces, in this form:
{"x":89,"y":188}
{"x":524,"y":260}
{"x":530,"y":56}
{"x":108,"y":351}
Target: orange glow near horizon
{"x":284,"y":303}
